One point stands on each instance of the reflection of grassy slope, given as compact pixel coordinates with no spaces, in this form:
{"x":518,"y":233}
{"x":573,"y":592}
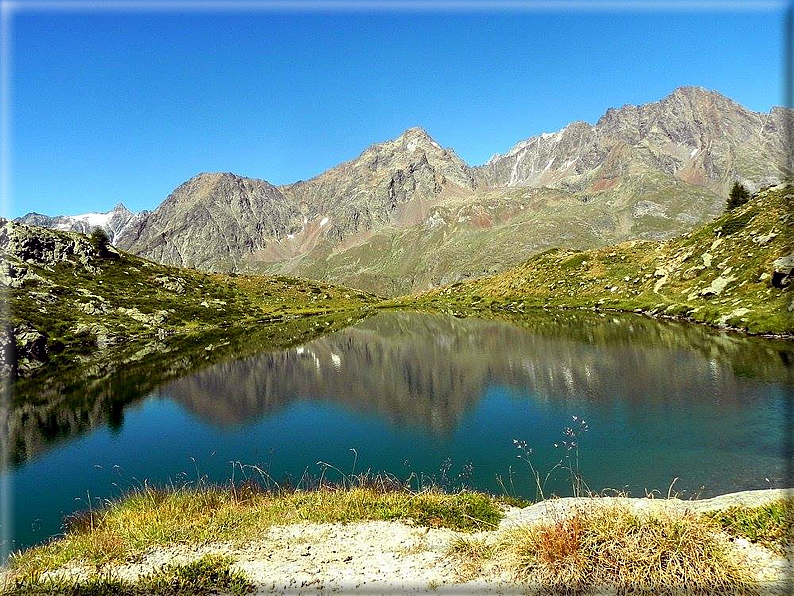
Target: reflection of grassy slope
{"x":72,"y":400}
{"x":752,"y":357}
{"x":669,"y":277}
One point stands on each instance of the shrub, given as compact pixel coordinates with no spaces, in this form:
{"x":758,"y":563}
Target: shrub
{"x":736,"y":223}
{"x":99,"y":239}
{"x":739,"y":195}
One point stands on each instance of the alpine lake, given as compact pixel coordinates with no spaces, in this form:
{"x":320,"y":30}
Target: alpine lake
{"x":428,"y":398}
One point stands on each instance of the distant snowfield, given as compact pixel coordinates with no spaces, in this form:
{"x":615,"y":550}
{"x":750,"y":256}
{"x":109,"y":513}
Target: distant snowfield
{"x":92,"y":219}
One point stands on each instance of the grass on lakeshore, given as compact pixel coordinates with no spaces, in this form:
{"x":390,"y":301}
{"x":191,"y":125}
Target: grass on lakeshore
{"x":209,"y":574}
{"x":614,"y":548}
{"x":771,"y":526}
{"x":151,"y":517}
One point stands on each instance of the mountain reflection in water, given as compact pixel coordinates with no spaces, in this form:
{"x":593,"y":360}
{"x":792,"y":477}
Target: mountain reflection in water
{"x":427,"y":370}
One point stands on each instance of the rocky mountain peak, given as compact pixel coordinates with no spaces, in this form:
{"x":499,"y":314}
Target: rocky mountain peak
{"x":391,"y":182}
{"x":694,"y":134}
{"x":120,"y":208}
{"x":212,"y":221}
{"x":114,"y":222}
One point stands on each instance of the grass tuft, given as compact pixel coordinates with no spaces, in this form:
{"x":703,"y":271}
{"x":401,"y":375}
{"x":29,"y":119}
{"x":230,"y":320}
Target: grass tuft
{"x":614,"y":548}
{"x":210,"y":574}
{"x":771,"y":526}
{"x":207,"y":575}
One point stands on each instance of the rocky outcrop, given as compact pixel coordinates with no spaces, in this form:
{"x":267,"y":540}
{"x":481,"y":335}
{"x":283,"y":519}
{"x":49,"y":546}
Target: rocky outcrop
{"x":22,"y":245}
{"x":23,"y":349}
{"x":782,"y":271}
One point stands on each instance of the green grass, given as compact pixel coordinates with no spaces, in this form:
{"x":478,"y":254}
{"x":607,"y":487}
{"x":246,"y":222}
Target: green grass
{"x":100,"y":305}
{"x":209,"y":574}
{"x":771,"y":526}
{"x":670,"y":278}
{"x":148,"y":518}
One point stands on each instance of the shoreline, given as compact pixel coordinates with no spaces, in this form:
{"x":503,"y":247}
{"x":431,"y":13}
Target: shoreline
{"x":402,"y":555}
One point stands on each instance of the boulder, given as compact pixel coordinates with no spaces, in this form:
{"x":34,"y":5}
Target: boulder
{"x":782,"y":270}
{"x":24,"y":349}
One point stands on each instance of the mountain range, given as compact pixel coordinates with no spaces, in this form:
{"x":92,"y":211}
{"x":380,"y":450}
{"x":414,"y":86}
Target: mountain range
{"x":115,"y":222}
{"x":408,"y":214}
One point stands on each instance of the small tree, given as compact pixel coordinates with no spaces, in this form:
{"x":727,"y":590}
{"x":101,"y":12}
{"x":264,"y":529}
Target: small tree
{"x":100,"y":239}
{"x":739,"y":195}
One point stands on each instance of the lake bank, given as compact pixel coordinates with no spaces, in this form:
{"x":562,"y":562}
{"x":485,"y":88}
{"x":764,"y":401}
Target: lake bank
{"x":366,"y":540}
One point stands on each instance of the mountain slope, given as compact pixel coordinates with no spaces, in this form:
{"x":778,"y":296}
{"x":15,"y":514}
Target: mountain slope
{"x":391,"y":184}
{"x":72,"y":303}
{"x":735,"y":271}
{"x":696,"y":135}
{"x":642,"y":172}
{"x":212,"y":221}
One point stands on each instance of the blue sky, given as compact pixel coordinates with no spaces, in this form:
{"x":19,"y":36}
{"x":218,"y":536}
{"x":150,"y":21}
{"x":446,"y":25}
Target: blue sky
{"x":125,"y":106}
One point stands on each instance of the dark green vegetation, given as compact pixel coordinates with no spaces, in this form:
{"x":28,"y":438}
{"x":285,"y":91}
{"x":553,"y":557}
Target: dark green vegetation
{"x":771,"y":525}
{"x":725,"y":273}
{"x":738,"y":196}
{"x":209,"y":574}
{"x":100,"y":239}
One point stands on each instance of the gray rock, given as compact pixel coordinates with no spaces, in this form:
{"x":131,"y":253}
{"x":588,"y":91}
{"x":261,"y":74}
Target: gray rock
{"x":718,"y":285}
{"x":24,"y":349}
{"x":14,"y":275}
{"x":553,"y":509}
{"x":782,"y":269}
{"x":172,"y":284}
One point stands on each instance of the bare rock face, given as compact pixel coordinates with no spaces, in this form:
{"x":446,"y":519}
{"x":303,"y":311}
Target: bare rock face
{"x":211,"y":221}
{"x":389,"y":182}
{"x":115,"y":222}
{"x":698,"y":136}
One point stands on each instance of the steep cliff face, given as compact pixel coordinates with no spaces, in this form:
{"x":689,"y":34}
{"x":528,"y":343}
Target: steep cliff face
{"x":211,"y":221}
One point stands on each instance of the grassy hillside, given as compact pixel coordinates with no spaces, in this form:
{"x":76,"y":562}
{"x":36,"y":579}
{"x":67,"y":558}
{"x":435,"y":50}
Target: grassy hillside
{"x":721,"y":274}
{"x":489,"y":230}
{"x":70,"y":301}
